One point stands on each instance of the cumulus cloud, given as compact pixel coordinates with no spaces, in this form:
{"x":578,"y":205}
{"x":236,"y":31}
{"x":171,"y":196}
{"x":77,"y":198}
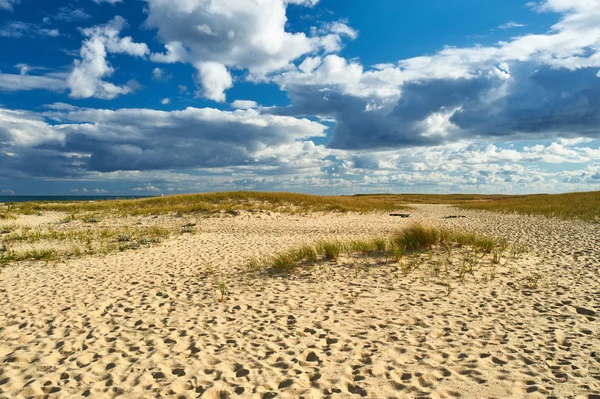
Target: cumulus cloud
{"x":149,"y":187}
{"x":534,"y":86}
{"x":165,"y":101}
{"x":157,"y":73}
{"x":54,"y":81}
{"x":244,"y":104}
{"x":58,"y":106}
{"x":219,"y":35}
{"x":214,"y":79}
{"x":86,"y":140}
{"x":86,"y":78}
{"x":8,"y":4}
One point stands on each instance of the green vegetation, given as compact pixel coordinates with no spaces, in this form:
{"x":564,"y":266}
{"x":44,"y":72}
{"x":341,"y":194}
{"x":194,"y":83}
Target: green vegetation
{"x":215,"y":202}
{"x":584,"y":206}
{"x":412,"y":240}
{"x":31,"y":244}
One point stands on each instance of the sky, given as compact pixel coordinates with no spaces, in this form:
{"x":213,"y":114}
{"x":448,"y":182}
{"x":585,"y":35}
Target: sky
{"x":151,"y":97}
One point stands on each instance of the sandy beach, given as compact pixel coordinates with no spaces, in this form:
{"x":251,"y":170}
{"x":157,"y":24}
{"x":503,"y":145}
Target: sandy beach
{"x":149,"y":323}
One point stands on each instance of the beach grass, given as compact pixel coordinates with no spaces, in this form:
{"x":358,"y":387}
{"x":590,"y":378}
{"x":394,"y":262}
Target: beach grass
{"x":584,"y":206}
{"x":215,"y":202}
{"x":31,"y":244}
{"x":412,"y":240}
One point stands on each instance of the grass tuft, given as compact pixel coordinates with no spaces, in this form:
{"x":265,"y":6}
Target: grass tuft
{"x":413,"y":240}
{"x":584,"y":206}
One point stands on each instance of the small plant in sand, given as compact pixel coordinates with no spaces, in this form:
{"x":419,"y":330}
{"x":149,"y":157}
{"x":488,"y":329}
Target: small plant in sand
{"x":331,"y":249}
{"x":447,"y":277}
{"x":222,"y":287}
{"x":531,"y":282}
{"x":91,"y":219}
{"x":517,"y":251}
{"x":254,"y":266}
{"x":496,"y":256}
{"x":125,"y":236}
{"x":187,"y":229}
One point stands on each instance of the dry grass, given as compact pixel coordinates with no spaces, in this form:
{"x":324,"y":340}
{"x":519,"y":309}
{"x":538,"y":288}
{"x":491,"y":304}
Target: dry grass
{"x":584,"y":206}
{"x":414,"y":239}
{"x":217,"y":202}
{"x":49,"y":244}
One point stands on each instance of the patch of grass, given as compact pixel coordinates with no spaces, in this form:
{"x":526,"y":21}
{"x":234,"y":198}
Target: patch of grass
{"x":91,"y":219}
{"x":7,"y":216}
{"x":74,"y":243}
{"x":217,"y":202}
{"x":8,"y":256}
{"x":125,"y":236}
{"x":330,"y":249}
{"x":584,"y":206}
{"x":413,"y":241}
{"x":417,"y":237}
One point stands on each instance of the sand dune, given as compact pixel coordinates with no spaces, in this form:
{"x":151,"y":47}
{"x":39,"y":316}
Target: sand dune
{"x":148,"y":323}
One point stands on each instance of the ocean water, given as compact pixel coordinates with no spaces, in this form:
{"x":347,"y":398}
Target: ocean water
{"x":59,"y":198}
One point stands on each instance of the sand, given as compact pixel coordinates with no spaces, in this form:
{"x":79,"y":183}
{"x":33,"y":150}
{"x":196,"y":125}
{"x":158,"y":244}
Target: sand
{"x":149,"y":323}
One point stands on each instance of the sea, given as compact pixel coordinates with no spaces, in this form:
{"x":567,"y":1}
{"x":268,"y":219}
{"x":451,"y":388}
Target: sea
{"x":63,"y":198}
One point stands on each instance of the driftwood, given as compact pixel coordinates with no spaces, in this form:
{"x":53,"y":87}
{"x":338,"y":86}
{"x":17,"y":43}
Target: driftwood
{"x":454,"y":217}
{"x":402,"y":215}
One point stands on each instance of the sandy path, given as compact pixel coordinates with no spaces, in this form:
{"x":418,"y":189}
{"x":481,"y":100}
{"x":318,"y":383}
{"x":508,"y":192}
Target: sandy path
{"x":147,"y":324}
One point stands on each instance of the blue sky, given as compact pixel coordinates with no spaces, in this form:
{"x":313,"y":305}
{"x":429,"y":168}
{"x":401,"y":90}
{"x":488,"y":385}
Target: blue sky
{"x":321,"y":96}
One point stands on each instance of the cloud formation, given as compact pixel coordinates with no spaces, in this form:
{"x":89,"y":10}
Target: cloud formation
{"x":8,"y":4}
{"x":86,"y":78}
{"x":54,"y":81}
{"x":535,"y":86}
{"x":85,"y":140}
{"x":17,"y":29}
{"x":218,"y":35}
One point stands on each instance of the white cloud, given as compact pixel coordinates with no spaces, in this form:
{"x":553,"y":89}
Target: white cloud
{"x":343,"y":30}
{"x":83,"y":141}
{"x":309,"y":64}
{"x":510,"y":25}
{"x":486,"y":88}
{"x":175,"y":53}
{"x":8,"y":4}
{"x":23,"y":81}
{"x":308,"y":3}
{"x":26,"y":129}
{"x":214,"y":79}
{"x":149,"y":187}
{"x":86,"y":78}
{"x":58,"y":106}
{"x":165,"y":101}
{"x":17,"y":29}
{"x":69,"y":14}
{"x":158,"y":74}
{"x":246,"y":35}
{"x":564,"y":46}
{"x":244,"y":104}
